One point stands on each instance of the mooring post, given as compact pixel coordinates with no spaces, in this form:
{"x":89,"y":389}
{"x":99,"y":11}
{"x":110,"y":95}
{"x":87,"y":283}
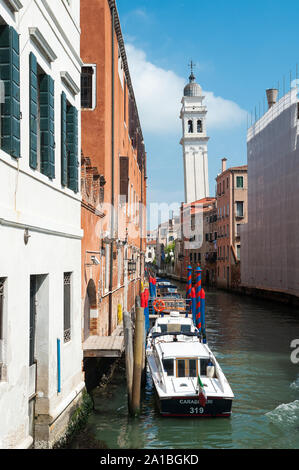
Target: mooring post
{"x":203,"y":314}
{"x":198,"y":298}
{"x":189,"y":283}
{"x":128,"y":337}
{"x":138,"y":360}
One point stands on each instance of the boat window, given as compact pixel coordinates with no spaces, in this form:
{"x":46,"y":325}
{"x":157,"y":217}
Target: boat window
{"x":186,"y":328}
{"x":181,"y":368}
{"x":203,"y":366}
{"x":168,"y":365}
{"x":163,"y":328}
{"x":192,"y":368}
{"x":187,"y":368}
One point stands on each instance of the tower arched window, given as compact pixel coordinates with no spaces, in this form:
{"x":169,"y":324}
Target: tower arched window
{"x":199,"y":126}
{"x":190,"y":126}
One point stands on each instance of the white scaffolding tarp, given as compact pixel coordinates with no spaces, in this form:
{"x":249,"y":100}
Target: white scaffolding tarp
{"x":270,"y":240}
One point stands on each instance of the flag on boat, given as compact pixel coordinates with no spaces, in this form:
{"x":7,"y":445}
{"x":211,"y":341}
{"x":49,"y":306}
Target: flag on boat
{"x":202,"y":394}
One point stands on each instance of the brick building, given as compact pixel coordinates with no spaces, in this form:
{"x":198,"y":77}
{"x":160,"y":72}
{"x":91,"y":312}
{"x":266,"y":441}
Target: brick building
{"x":113,"y":173}
{"x":199,"y":220}
{"x":231,"y":214}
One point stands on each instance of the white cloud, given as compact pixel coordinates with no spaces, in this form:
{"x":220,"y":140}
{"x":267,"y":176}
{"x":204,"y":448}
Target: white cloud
{"x":159,"y":92}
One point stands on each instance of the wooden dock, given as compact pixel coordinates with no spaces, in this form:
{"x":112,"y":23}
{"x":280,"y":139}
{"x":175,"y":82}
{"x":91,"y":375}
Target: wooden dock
{"x":105,"y":346}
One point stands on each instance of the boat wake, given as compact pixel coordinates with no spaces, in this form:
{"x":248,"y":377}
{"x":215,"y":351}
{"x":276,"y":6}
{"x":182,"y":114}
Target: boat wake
{"x":285,"y":415}
{"x":295,"y":385}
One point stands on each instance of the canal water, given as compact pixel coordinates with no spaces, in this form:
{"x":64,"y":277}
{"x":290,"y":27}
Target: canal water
{"x":251,"y":340}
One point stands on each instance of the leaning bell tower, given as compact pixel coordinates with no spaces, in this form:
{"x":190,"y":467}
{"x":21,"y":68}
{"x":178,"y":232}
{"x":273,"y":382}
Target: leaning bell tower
{"x":194,"y":141}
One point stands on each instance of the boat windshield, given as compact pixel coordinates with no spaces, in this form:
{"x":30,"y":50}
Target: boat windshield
{"x":187,"y":368}
{"x":168,"y":365}
{"x":180,"y":329}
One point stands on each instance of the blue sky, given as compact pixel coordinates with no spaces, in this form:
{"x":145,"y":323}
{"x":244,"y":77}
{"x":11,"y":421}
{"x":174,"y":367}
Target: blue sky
{"x":240,"y":48}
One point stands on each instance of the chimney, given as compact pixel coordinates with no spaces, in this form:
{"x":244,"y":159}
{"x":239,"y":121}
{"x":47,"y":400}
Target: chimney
{"x":272,"y":94}
{"x":224,"y":160}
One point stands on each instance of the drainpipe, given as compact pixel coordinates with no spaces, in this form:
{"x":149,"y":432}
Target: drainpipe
{"x":112,"y":172}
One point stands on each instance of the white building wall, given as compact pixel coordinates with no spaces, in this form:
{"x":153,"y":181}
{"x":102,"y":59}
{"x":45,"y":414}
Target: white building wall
{"x":269,"y":242}
{"x":29,"y":199}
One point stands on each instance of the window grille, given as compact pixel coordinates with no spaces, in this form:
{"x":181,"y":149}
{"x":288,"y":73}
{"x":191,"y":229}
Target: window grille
{"x":67,"y":307}
{"x":86,"y":87}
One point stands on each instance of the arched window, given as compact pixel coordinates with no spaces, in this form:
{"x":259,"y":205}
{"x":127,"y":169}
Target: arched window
{"x":199,"y":126}
{"x":190,"y":126}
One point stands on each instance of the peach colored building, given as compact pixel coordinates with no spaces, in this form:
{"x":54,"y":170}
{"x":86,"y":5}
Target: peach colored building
{"x":113,"y":174}
{"x":199,"y":247}
{"x":232,"y":201}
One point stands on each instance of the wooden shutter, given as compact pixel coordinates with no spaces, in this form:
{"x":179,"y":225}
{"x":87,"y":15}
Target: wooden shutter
{"x":47,"y":126}
{"x":72,"y":147}
{"x":124,"y":176}
{"x":33,"y":109}
{"x":63,"y":141}
{"x":10,"y":74}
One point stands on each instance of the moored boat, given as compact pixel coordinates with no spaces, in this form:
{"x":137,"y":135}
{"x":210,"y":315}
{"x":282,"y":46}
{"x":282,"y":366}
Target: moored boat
{"x":187,"y":377}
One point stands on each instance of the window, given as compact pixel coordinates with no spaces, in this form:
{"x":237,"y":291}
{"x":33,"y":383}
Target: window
{"x":203,"y":366}
{"x":107,"y":267}
{"x":191,"y":257}
{"x":10,"y":75}
{"x":239,"y":252}
{"x":240,"y":209}
{"x":67,"y":307}
{"x":240,"y":182}
{"x":190,"y":126}
{"x":88,"y":87}
{"x":187,"y":368}
{"x":69,"y":145}
{"x":149,"y":255}
{"x":227,"y":210}
{"x":42,"y":138}
{"x":238,"y":229}
{"x":199,"y":126}
{"x":181,"y":368}
{"x":168,"y":365}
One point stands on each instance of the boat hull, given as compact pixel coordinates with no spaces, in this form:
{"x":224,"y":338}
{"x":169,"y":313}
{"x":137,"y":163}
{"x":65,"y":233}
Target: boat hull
{"x":190,"y":407}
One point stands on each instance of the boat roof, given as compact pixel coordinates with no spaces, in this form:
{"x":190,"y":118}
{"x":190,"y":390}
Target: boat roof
{"x":180,"y":350}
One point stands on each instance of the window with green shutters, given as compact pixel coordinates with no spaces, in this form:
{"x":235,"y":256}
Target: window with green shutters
{"x":72,"y":147}
{"x":240,"y":182}
{"x":64,"y":164}
{"x":10,"y":75}
{"x":69,"y":145}
{"x":47,"y":126}
{"x":42,"y":140}
{"x":33,"y":98}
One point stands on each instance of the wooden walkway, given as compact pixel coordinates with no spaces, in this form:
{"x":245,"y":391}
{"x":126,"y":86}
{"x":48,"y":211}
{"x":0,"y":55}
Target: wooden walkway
{"x":105,"y":346}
